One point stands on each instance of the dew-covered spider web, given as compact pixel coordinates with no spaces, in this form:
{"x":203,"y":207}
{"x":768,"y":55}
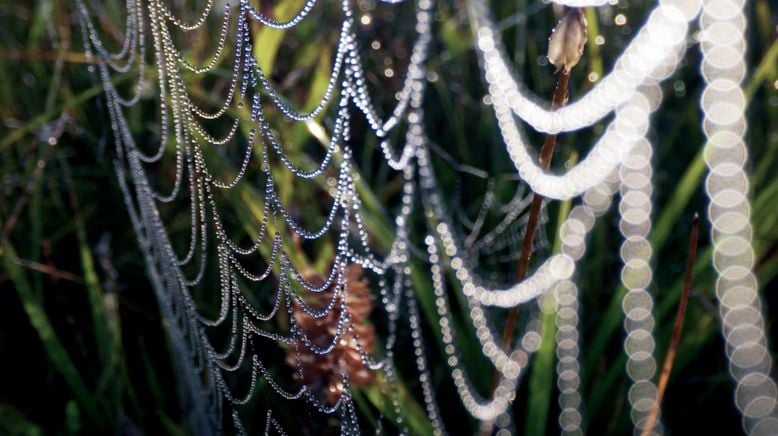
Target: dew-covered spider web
{"x":288,"y":281}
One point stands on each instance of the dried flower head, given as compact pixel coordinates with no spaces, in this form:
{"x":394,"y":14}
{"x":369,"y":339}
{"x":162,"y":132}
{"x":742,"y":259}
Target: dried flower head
{"x":324,"y":373}
{"x":567,"y":40}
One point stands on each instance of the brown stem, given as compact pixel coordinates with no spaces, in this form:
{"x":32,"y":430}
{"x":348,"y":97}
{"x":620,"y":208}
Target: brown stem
{"x":49,"y":270}
{"x":546,"y":153}
{"x":675,"y":339}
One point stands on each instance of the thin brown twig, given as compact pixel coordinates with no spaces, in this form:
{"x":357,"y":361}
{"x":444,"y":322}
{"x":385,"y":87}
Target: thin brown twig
{"x":546,"y":153}
{"x":50,"y":270}
{"x":675,"y":339}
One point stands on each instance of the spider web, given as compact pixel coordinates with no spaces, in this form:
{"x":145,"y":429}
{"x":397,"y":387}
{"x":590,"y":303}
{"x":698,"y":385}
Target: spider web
{"x":226,"y":355}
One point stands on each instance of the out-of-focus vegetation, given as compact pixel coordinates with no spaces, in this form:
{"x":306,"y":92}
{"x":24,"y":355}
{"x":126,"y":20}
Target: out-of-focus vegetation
{"x":82,"y":345}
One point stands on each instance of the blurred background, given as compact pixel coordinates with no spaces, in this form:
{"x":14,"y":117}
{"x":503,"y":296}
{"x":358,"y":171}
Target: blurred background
{"x":83,"y":349}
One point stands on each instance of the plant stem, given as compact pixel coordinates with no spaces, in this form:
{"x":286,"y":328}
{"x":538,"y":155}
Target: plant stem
{"x":546,"y":153}
{"x":675,"y":339}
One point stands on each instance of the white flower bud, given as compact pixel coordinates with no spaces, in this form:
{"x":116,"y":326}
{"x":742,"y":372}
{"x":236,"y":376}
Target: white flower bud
{"x":566,"y":44}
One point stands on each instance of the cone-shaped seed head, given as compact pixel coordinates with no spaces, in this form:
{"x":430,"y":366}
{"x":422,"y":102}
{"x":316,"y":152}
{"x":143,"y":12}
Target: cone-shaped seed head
{"x":567,"y":41}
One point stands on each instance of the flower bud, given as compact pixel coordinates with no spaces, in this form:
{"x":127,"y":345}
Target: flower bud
{"x":566,"y":44}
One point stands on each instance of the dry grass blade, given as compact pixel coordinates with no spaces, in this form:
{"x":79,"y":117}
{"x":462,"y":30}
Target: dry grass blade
{"x":50,"y":270}
{"x":675,"y":339}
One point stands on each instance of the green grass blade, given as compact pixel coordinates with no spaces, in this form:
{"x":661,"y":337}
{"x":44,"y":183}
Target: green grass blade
{"x":40,"y":322}
{"x":14,"y":423}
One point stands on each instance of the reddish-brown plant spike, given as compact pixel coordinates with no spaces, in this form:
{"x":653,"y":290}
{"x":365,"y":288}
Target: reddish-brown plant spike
{"x":675,"y":339}
{"x":546,"y":153}
{"x":323,"y":373}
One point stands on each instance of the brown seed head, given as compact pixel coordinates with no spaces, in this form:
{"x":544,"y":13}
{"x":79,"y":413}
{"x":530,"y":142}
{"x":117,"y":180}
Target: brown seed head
{"x":323,"y":373}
